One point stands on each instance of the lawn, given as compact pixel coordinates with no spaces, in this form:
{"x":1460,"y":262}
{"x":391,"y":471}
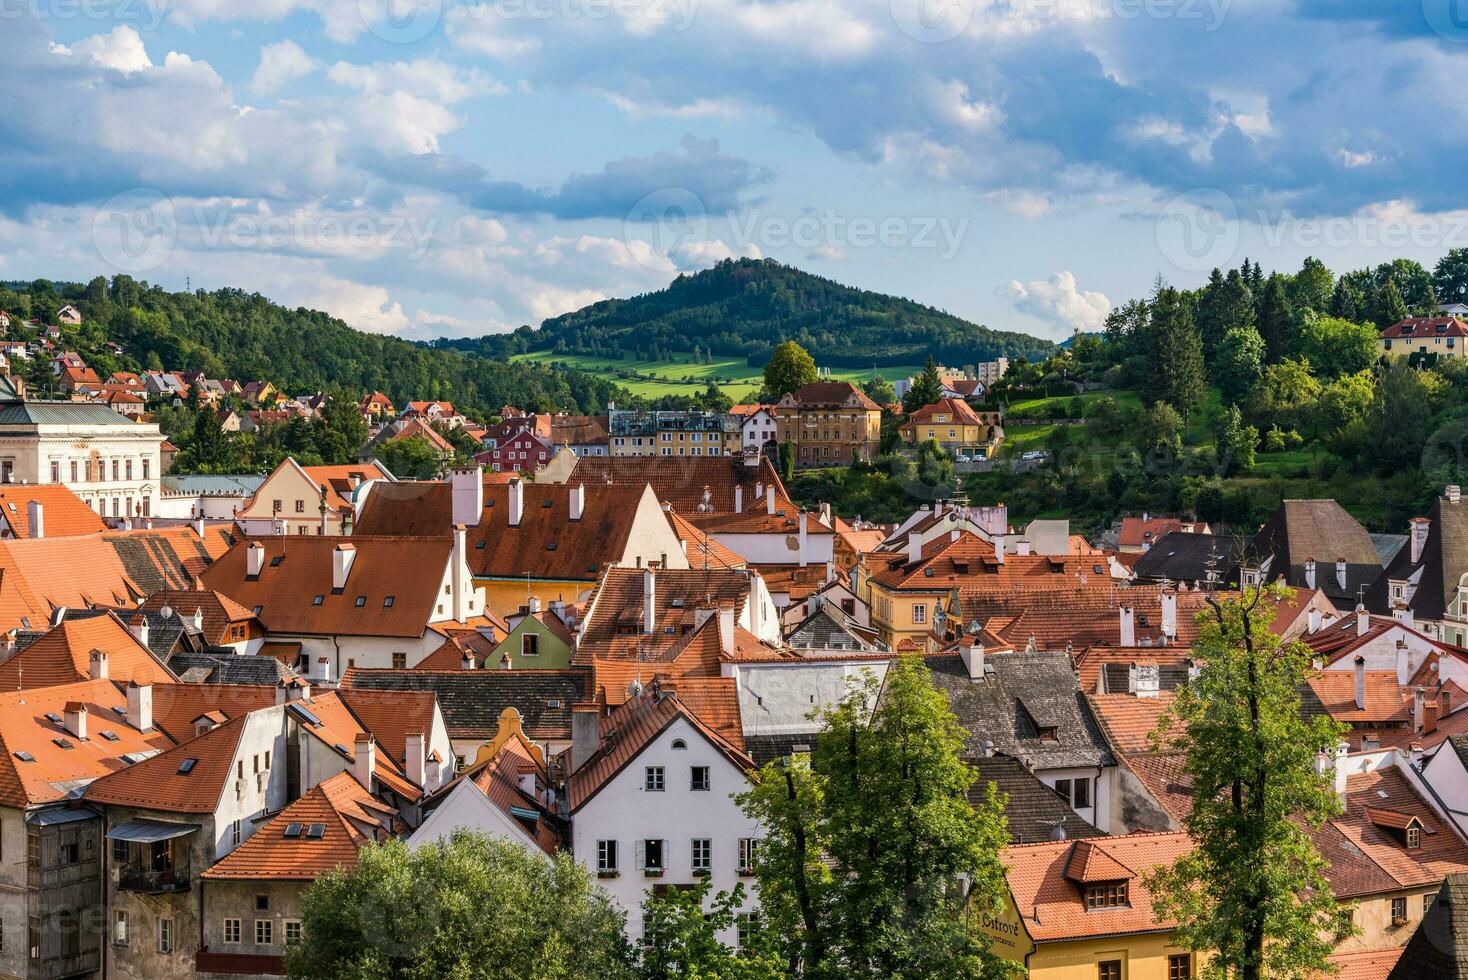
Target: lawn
{"x":678,"y":375}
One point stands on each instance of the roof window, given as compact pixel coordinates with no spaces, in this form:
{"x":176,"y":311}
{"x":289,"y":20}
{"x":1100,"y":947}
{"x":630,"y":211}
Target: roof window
{"x":361,"y":601}
{"x":387,"y":601}
{"x":292,"y":830}
{"x":316,"y":831}
{"x":187,"y":766}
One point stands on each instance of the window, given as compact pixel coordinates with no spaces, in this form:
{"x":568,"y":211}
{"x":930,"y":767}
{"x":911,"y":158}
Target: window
{"x":1414,"y":836}
{"x":115,"y":476}
{"x":236,"y":833}
{"x":119,"y":852}
{"x":399,"y":661}
{"x":1081,"y":793}
{"x":127,"y":468}
{"x":1110,"y":895}
{"x":119,"y":926}
{"x":1179,"y":966}
{"x":748,"y":924}
{"x":1427,"y":902}
{"x":703,"y":850}
{"x":1108,"y":970}
{"x":606,"y":858}
{"x":653,"y":779}
{"x":232,"y":931}
{"x":679,"y":744}
{"x":262,"y":903}
{"x":919,"y":613}
{"x":55,"y":471}
{"x":73,"y":471}
{"x":700,"y":779}
{"x":33,"y":850}
{"x":165,"y":936}
{"x":145,"y":468}
{"x":292,"y":931}
{"x":275,"y":506}
{"x":361,"y":601}
{"x":264,"y":932}
{"x":68,"y":851}
{"x":300,"y":507}
{"x":34,"y":939}
{"x":1399,"y":911}
{"x":652,"y":855}
{"x":747,"y":848}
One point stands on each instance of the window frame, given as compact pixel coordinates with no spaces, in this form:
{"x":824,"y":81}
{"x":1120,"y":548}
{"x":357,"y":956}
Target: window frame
{"x":707,"y":782}
{"x":654,"y":779}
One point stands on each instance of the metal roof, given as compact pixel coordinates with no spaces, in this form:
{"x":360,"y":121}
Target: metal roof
{"x":60,"y":413}
{"x":150,"y":831}
{"x":60,"y":815}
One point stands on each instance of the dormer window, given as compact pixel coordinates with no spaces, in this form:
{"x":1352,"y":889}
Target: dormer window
{"x":1107,"y":895}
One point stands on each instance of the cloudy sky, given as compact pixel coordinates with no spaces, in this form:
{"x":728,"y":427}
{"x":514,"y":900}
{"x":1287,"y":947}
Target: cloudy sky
{"x":435,"y":167}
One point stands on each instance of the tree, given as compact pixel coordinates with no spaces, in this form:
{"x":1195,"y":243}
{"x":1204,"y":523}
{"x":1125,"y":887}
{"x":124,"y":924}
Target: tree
{"x":787,"y":460}
{"x":681,"y":938}
{"x":879,"y":390}
{"x":1338,"y":347}
{"x":714,"y":399}
{"x":1177,"y":354}
{"x":1160,"y":430}
{"x":1395,"y":433}
{"x":341,"y":430}
{"x":1236,"y":442}
{"x":1388,"y":307}
{"x":788,"y":369}
{"x":441,"y":911}
{"x":1240,"y":363}
{"x":1253,"y":892}
{"x":1226,"y":304}
{"x":1345,"y":303}
{"x":1284,"y":396}
{"x":1311,"y":287}
{"x":413,"y":458}
{"x":1276,"y":319}
{"x":1450,"y":277}
{"x":926,"y":389}
{"x":864,"y":843}
{"x":1344,"y":401}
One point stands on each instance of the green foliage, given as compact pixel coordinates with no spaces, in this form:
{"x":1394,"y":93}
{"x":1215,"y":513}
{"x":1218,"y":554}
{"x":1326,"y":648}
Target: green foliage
{"x":1236,"y":442}
{"x":681,"y":938}
{"x":1336,"y":347}
{"x":885,"y":802}
{"x":746,"y":307}
{"x":1450,"y":276}
{"x":1176,"y":354}
{"x":1388,"y":306}
{"x":1394,"y":429}
{"x":1160,"y":430}
{"x":1345,"y":302}
{"x":926,"y":389}
{"x":1311,"y":288}
{"x":1284,"y":396}
{"x":789,"y":368}
{"x":1239,"y":363}
{"x":879,"y":390}
{"x":1225,"y":304}
{"x":1276,"y":319}
{"x":456,"y":910}
{"x":413,"y":458}
{"x":1253,"y":893}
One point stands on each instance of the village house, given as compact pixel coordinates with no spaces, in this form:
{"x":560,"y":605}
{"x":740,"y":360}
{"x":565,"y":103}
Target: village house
{"x":523,"y":451}
{"x":307,"y":500}
{"x":829,"y":423}
{"x":757,"y":426}
{"x":1436,"y":336}
{"x":951,"y":423}
{"x":639,"y":433}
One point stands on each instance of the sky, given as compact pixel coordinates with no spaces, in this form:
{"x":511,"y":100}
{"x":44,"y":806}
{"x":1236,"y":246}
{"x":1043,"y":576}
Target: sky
{"x":433,"y":168}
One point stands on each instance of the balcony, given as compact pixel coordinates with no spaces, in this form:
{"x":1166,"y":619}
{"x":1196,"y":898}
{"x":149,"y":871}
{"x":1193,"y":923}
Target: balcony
{"x":149,"y":881}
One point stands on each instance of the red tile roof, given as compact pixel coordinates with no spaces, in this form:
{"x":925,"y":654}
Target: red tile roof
{"x":1416,"y":328}
{"x":156,"y":783}
{"x":683,"y":480}
{"x":219,"y":610}
{"x":831,"y":394}
{"x":64,"y":514}
{"x":957,"y":410}
{"x":581,"y":547}
{"x":63,"y":655}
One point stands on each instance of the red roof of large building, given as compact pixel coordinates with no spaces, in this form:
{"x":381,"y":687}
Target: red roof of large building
{"x":1419,"y":328}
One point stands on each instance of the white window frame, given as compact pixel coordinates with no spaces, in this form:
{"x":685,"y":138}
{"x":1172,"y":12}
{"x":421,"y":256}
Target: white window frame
{"x":232,"y":932}
{"x":654,"y":779}
{"x":163,"y":936}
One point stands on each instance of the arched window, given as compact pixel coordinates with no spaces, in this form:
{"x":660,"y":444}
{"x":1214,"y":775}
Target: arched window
{"x":678,"y":743}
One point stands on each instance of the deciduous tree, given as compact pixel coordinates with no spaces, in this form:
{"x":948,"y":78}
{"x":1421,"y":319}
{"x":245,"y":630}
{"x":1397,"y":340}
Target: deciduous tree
{"x":788,"y":369}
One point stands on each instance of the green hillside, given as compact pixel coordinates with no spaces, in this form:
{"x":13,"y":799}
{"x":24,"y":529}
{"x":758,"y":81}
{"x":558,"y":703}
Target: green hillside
{"x":743,"y":309}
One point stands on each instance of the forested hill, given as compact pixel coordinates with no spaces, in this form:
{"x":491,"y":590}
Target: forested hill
{"x":747,"y":307}
{"x":229,"y":333}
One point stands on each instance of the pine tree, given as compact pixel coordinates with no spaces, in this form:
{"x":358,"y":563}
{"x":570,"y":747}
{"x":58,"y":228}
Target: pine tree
{"x":1178,"y":377}
{"x":1276,"y":320}
{"x":926,"y":388}
{"x":1389,"y":307}
{"x":1343,"y":302}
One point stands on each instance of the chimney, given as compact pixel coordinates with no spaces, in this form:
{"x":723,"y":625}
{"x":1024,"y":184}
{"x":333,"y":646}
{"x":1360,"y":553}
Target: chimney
{"x":97,"y":665}
{"x":1444,"y":702}
{"x":413,"y":757}
{"x":254,"y":559}
{"x":1340,"y":573}
{"x":467,"y":491}
{"x":1452,"y":493}
{"x":1360,"y":683}
{"x":458,"y":578}
{"x":999,"y":548}
{"x":36,"y":514}
{"x":199,"y":525}
{"x":1363,"y":620}
{"x":804,"y":539}
{"x":1420,"y":526}
{"x":140,"y":706}
{"x":726,"y":627}
{"x":467,"y":663}
{"x":825,"y":514}
{"x":1128,"y":627}
{"x":585,"y":732}
{"x":341,"y":565}
{"x":1314,"y":620}
{"x":649,"y":602}
{"x":364,"y":760}
{"x":517,"y":502}
{"x":578,"y":501}
{"x":971,"y":652}
{"x":140,"y":628}
{"x":75,"y":715}
{"x":198,"y":618}
{"x":1429,"y":717}
{"x":1404,"y":672}
{"x":1309,"y":573}
{"x":1147,"y":680}
{"x":1169,"y":613}
{"x":1419,"y":698}
{"x":323,"y":670}
{"x":770,"y":499}
{"x":738,"y":499}
{"x":1342,"y":761}
{"x":914,"y":547}
{"x":1021,"y":547}
{"x":432,"y":773}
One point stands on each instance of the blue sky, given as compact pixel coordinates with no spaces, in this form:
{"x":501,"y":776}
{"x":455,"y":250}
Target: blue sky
{"x":432,"y":167}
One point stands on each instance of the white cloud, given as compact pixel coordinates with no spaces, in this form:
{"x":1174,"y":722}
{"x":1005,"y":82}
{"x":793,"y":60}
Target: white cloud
{"x":121,"y":50}
{"x":367,"y":308}
{"x":280,"y":64}
{"x":827,"y":253}
{"x":823,"y":29}
{"x":427,"y":78}
{"x":1057,"y":301}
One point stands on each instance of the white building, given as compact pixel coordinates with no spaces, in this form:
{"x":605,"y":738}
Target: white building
{"x":110,"y":461}
{"x":652,"y":802}
{"x":759,"y":428}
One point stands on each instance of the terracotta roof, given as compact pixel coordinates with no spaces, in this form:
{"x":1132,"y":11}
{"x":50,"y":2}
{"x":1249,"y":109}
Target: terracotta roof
{"x":339,"y":725}
{"x":957,"y":410}
{"x":412,"y":508}
{"x":1424,"y":327}
{"x":1053,"y":906}
{"x":158,"y":784}
{"x":118,"y":568}
{"x":63,"y":512}
{"x":406,"y":569}
{"x":62,"y":655}
{"x":391,"y":716}
{"x":1085,"y":616}
{"x":1136,"y":531}
{"x":1386,"y":794}
{"x":1164,"y":776}
{"x":219,"y":610}
{"x":56,"y":769}
{"x":1386,"y":699}
{"x":578,"y":430}
{"x":450,"y":654}
{"x":969,"y":561}
{"x":285,"y":848}
{"x":581,"y":547}
{"x":1130,"y":720}
{"x":701,"y":549}
{"x":1365,"y":964}
{"x":1090,"y":862}
{"x":628,"y":730}
{"x":338,"y":481}
{"x":177,"y":706}
{"x":830,"y":394}
{"x":498,"y":778}
{"x":682,"y":480}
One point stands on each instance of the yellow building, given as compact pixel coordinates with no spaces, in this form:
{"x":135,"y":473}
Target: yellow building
{"x":297,"y":499}
{"x":633,"y":433}
{"x":951,"y":423}
{"x":829,"y":423}
{"x":1443,"y":336}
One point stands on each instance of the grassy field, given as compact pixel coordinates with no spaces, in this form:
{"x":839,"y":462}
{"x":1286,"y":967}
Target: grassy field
{"x":678,"y":375}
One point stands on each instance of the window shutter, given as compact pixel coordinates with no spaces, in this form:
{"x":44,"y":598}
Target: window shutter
{"x":641,"y":855}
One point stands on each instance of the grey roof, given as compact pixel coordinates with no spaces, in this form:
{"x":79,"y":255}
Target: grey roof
{"x":1183,"y":557}
{"x":228,"y":668}
{"x":768,"y":748}
{"x":473,"y":699}
{"x":1439,"y":947}
{"x":1020,"y":693}
{"x":60,"y":413}
{"x":1033,"y":810}
{"x":1443,"y":562}
{"x":242,"y":484}
{"x":1387,"y":545}
{"x":830,"y":629}
{"x":1320,"y":529}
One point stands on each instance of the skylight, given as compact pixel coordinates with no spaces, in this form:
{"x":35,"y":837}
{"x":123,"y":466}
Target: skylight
{"x":25,"y":757}
{"x":387,"y":601}
{"x":62,"y":743}
{"x":292,"y":830}
{"x":361,"y":601}
{"x":53,"y":717}
{"x":316,"y":831}
{"x":108,"y":734}
{"x":187,"y":766}
{"x":275,"y":562}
